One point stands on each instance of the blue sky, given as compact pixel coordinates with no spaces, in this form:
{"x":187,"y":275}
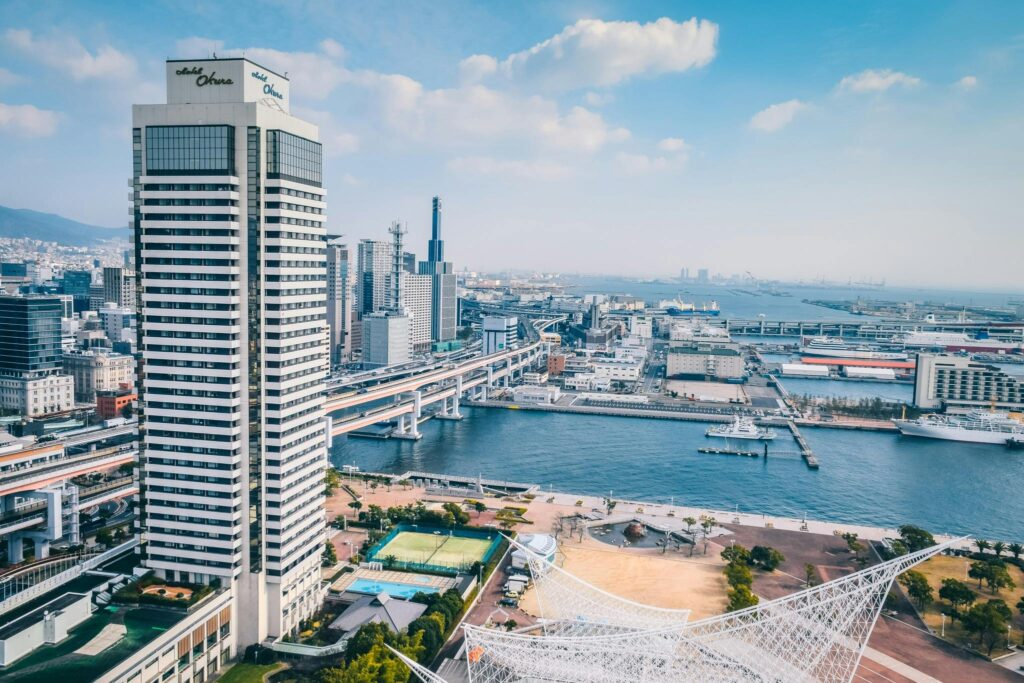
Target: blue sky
{"x":794,"y":140}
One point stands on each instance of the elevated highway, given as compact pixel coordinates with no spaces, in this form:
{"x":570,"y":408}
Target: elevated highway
{"x":404,"y":398}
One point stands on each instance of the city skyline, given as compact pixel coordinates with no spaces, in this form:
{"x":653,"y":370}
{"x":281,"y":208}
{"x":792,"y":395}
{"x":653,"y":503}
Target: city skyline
{"x":627,"y":140}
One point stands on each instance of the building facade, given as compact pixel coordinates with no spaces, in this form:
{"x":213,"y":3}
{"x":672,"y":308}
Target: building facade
{"x":957,"y":383}
{"x":499,"y":333}
{"x":443,"y":293}
{"x":373,"y":265}
{"x":119,"y":286}
{"x":341,"y":278}
{"x":701,"y":360}
{"x":93,"y":371}
{"x":229,"y":232}
{"x":31,"y":379}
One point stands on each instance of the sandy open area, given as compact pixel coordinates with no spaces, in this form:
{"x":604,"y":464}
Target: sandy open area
{"x":646,"y":577}
{"x":713,"y":391}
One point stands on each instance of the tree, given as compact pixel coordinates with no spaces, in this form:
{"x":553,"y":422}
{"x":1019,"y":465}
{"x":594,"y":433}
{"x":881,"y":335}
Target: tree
{"x":979,"y":570}
{"x":330,"y":556}
{"x":1020,"y":606}
{"x":957,"y":593}
{"x":332,"y":479}
{"x":510,"y":624}
{"x":766,"y":557}
{"x":609,"y":505}
{"x":689,"y":522}
{"x":1015,"y":549}
{"x":356,"y":505}
{"x":916,"y":538}
{"x":918,"y":588}
{"x":982,"y":545}
{"x":479,"y":506}
{"x":738,"y":575}
{"x":736,"y":553}
{"x":432,"y":629}
{"x":998,"y":548}
{"x":999,"y":577}
{"x":987,"y":621}
{"x":809,"y":574}
{"x":741,"y":597}
{"x":105,"y":537}
{"x":851,"y":541}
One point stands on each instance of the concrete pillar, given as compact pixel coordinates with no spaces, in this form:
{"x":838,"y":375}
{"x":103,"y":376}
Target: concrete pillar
{"x":15,"y":548}
{"x":414,"y":426}
{"x":490,"y":376}
{"x":508,"y":372}
{"x":417,"y":402}
{"x":42,"y":548}
{"x":457,"y":397}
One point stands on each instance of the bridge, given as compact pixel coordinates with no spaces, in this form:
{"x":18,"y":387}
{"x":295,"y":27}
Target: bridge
{"x":874,"y":328}
{"x":405,"y":397}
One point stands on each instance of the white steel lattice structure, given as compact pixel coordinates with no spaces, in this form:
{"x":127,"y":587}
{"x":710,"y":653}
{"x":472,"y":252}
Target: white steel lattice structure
{"x":817,"y":634}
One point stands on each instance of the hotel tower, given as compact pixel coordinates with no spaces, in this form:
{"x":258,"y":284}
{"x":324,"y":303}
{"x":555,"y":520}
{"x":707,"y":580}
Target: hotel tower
{"x":229,"y":247}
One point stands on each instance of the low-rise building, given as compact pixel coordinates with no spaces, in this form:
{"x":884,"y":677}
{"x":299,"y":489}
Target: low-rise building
{"x":699,"y":360}
{"x":587,"y":381}
{"x":958,"y":383}
{"x":111,"y":403}
{"x":94,"y":370}
{"x":535,"y":394}
{"x":535,"y":377}
{"x":556,"y":364}
{"x":623,"y":370}
{"x":35,"y":396}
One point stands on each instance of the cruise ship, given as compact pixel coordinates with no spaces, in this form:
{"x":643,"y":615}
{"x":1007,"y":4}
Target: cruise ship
{"x":741,"y":428}
{"x":977,"y":426}
{"x":833,"y":347}
{"x":680,"y":307}
{"x":955,"y":341}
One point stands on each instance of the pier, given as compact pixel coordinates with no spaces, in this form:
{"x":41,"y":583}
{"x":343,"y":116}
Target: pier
{"x":805,"y":449}
{"x":730,"y":451}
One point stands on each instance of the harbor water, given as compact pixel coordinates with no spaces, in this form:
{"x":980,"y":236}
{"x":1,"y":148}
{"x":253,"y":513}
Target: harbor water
{"x":865,"y":477}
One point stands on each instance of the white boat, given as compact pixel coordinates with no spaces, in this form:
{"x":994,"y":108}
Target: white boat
{"x":741,"y":428}
{"x":833,"y":347}
{"x":956,"y":341}
{"x":977,"y":426}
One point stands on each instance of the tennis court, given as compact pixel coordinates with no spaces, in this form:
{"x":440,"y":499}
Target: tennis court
{"x":436,"y":549}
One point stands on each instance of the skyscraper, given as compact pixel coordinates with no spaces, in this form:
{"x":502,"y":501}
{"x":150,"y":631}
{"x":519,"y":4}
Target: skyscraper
{"x":31,"y":382}
{"x":119,"y":286}
{"x":341,"y":278}
{"x":444,"y":301}
{"x":387,"y":333}
{"x":229,"y":232}
{"x":373,"y":265}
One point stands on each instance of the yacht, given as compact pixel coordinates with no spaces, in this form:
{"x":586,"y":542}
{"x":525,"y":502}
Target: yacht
{"x":977,"y":426}
{"x":741,"y":428}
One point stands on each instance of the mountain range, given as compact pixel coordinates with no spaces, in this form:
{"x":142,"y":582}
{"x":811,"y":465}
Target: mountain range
{"x":49,"y":227}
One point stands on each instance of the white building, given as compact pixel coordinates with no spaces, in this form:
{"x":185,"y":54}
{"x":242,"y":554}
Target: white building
{"x":704,"y":360}
{"x":341,"y":312}
{"x":119,"y":286}
{"x":94,"y":370}
{"x":500,"y":333}
{"x":35,"y":396}
{"x":958,"y":383}
{"x":387,"y":339}
{"x":373,"y":266}
{"x":418,"y":293}
{"x":642,"y":326}
{"x":229,"y":230}
{"x":618,"y":369}
{"x":535,"y":394}
{"x":116,"y":321}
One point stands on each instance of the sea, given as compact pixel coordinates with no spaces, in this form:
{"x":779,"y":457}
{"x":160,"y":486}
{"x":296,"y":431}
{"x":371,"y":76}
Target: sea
{"x":873,"y":478}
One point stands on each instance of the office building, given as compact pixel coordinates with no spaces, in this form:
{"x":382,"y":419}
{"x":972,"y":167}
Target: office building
{"x":443,"y":292}
{"x":31,"y":381}
{"x":387,"y":333}
{"x":957,"y":384}
{"x":119,"y":287}
{"x":702,"y":276}
{"x":499,"y":333}
{"x":118,"y":322}
{"x":417,"y":291}
{"x":408,"y":262}
{"x":78,"y":284}
{"x":702,"y":360}
{"x":94,"y":370}
{"x":373,"y":265}
{"x":341,"y":278}
{"x":229,"y":232}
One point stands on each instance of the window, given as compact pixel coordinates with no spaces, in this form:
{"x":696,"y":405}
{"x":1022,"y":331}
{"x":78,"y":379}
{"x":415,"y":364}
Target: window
{"x":190,"y":150}
{"x":290,"y":157}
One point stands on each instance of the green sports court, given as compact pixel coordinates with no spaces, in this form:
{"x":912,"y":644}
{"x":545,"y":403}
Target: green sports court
{"x":435,"y":548}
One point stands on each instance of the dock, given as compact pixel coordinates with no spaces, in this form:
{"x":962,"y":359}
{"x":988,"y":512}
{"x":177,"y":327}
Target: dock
{"x":805,"y":449}
{"x":729,"y":451}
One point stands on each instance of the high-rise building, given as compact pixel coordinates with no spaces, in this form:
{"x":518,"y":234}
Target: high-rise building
{"x":31,"y":381}
{"x":417,"y":291}
{"x":387,"y":333}
{"x":78,"y":283}
{"x":703,"y":276}
{"x":409,"y":262}
{"x":119,"y":286}
{"x":341,"y":278}
{"x":499,"y":333}
{"x":444,"y":300}
{"x":229,"y":232}
{"x":373,"y":265}
{"x":958,"y":384}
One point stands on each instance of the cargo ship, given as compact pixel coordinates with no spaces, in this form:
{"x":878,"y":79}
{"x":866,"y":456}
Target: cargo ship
{"x":833,"y":347}
{"x":677,"y":307}
{"x":977,"y":426}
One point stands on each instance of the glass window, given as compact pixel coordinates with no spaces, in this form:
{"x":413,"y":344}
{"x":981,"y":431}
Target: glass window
{"x":190,"y":150}
{"x":290,"y":157}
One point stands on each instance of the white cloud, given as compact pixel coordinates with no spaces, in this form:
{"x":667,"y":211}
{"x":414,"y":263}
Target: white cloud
{"x":637,"y":164}
{"x":351,"y":180}
{"x":598,"y":99}
{"x":967,"y":83}
{"x":475,"y":68}
{"x":8,"y":77}
{"x":877,"y":80}
{"x":776,"y":116}
{"x":672,"y":145}
{"x":332,"y":49}
{"x":595,"y":53}
{"x":530,"y":170}
{"x":26,"y":120}
{"x":67,"y":54}
{"x":197,"y":47}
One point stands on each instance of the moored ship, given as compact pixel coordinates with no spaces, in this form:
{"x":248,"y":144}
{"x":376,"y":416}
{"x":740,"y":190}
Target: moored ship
{"x":977,"y":426}
{"x":833,"y":347}
{"x":741,"y":428}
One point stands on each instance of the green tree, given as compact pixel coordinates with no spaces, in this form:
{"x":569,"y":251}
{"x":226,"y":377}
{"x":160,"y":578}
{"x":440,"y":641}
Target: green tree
{"x":1015,"y":549}
{"x":918,"y":588}
{"x":479,"y":506}
{"x":356,"y":505}
{"x":690,"y":522}
{"x":736,"y":553}
{"x":741,"y":597}
{"x":916,"y":538}
{"x":365,"y":638}
{"x":809,"y":573}
{"x":988,"y":622}
{"x":431,"y":629}
{"x":957,"y":593}
{"x":979,"y":570}
{"x":982,"y":545}
{"x":999,"y":577}
{"x":332,"y":479}
{"x":766,"y":557}
{"x":105,"y":537}
{"x":1020,"y":606}
{"x":510,"y":624}
{"x":330,"y":556}
{"x":738,"y":574}
{"x":851,"y":541}
{"x":998,"y":548}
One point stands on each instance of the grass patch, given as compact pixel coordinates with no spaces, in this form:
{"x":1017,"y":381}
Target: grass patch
{"x":436,"y":549}
{"x":249,"y":673}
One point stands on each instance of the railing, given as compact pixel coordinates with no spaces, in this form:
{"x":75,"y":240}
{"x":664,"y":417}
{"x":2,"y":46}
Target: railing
{"x":308,"y":650}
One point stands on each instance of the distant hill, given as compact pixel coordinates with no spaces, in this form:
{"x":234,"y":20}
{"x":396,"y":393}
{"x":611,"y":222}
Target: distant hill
{"x":19,"y":223}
